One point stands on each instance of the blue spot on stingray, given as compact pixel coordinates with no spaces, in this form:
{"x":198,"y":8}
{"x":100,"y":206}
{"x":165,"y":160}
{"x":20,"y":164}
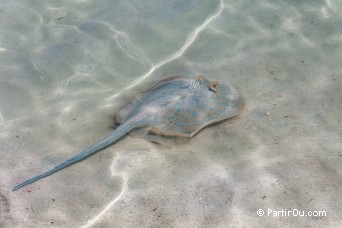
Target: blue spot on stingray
{"x":170,"y":118}
{"x":203,"y":107}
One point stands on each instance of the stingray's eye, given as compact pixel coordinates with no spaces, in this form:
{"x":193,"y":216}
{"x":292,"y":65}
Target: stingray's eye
{"x":201,"y":78}
{"x":212,"y":86}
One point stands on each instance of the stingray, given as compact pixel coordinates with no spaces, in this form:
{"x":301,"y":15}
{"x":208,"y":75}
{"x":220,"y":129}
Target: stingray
{"x":176,"y":106}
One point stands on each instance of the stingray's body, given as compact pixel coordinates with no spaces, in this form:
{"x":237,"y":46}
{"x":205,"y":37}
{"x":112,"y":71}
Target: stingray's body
{"x":176,"y":106}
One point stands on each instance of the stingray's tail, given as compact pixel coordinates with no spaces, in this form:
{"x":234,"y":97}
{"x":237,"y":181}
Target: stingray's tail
{"x":105,"y":142}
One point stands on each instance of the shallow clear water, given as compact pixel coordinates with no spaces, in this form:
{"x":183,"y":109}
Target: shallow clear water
{"x":66,"y":68}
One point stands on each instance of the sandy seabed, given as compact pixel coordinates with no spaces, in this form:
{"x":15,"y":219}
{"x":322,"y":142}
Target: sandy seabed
{"x":68,"y":66}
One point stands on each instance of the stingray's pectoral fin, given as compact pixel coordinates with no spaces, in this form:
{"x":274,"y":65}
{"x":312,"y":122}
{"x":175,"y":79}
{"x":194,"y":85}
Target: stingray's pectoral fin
{"x":105,"y":142}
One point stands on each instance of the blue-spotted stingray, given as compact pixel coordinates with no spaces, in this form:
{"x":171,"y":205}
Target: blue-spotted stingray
{"x":175,"y":106}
